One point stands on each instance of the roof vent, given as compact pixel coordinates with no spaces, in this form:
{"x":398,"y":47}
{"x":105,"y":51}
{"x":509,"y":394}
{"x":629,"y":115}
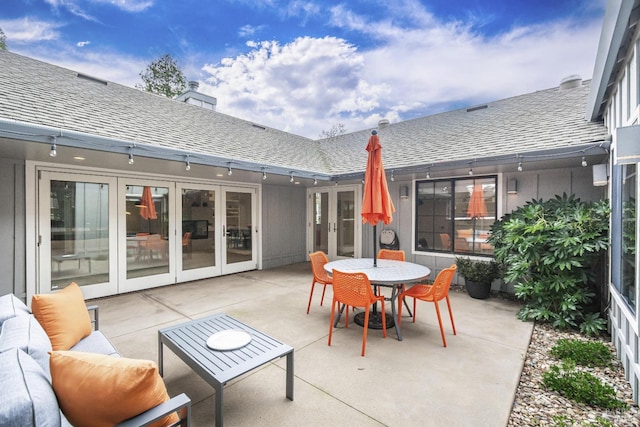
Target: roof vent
{"x":476,"y":108}
{"x":570,"y":82}
{"x":193,"y":85}
{"x":383,"y":123}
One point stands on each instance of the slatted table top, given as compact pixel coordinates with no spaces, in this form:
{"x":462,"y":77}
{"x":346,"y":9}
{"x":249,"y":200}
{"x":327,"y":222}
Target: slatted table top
{"x":189,"y":342}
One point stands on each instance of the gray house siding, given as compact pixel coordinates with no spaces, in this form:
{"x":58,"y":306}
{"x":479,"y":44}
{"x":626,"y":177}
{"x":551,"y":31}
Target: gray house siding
{"x":12,"y":226}
{"x":283,"y":225}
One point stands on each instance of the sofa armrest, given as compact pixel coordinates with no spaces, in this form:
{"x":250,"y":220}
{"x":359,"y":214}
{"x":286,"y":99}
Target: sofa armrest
{"x":94,"y":313}
{"x":180,"y":403}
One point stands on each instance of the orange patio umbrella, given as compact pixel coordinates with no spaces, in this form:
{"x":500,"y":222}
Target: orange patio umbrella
{"x":147,"y":207}
{"x":376,"y":201}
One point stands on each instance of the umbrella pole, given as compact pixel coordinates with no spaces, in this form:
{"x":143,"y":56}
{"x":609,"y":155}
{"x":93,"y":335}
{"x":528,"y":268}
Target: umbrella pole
{"x":375,"y":255}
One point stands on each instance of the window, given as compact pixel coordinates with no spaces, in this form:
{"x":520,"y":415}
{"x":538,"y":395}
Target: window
{"x":628,"y":212}
{"x":455,"y":215}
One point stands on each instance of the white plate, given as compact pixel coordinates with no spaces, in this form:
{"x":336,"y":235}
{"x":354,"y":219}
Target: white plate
{"x":230,"y":339}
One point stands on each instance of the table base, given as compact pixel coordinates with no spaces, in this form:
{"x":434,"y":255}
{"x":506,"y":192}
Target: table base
{"x":375,"y":320}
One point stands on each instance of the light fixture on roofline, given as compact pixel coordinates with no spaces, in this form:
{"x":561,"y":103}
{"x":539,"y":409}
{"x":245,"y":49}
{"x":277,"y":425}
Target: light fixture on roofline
{"x":428,"y":173}
{"x":291,"y":178}
{"x":315,"y":181}
{"x":264,"y":175}
{"x":187,"y":164}
{"x":470,"y":168}
{"x":393,"y":178}
{"x":520,"y":166}
{"x":131,"y":161}
{"x":584,"y":162}
{"x":54,"y":148}
{"x":229,"y":171}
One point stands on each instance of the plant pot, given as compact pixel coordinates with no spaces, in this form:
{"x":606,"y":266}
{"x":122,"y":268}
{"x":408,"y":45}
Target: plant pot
{"x":478,"y":290}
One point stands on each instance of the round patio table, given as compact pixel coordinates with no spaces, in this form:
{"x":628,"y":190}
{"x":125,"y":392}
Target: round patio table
{"x":388,"y":273}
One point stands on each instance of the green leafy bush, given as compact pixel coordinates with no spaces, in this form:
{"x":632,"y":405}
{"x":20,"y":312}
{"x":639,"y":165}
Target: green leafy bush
{"x":585,"y":353}
{"x":581,"y":387}
{"x":548,"y":249}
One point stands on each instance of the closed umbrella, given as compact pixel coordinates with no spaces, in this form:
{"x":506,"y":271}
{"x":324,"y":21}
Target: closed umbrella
{"x":376,"y":201}
{"x":147,"y":207}
{"x":477,"y":208}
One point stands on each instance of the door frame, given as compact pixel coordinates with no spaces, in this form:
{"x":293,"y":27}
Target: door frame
{"x":333,"y":218}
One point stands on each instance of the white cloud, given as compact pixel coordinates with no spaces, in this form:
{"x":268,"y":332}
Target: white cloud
{"x":419,"y":66}
{"x":83,"y":44}
{"x":75,"y":6}
{"x":28,"y":30}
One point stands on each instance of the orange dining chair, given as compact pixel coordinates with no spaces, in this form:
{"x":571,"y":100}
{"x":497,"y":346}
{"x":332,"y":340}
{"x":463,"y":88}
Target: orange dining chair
{"x":431,"y":293}
{"x":396,"y":255}
{"x":354,"y":289}
{"x":186,"y":243}
{"x":318,"y":260}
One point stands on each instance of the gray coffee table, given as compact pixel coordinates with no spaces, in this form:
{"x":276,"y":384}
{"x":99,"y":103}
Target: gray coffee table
{"x":189,"y":342}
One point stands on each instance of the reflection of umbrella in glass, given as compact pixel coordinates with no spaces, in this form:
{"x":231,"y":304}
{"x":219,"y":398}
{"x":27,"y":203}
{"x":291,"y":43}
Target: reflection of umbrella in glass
{"x":147,"y":207}
{"x":477,"y":207}
{"x":376,"y":201}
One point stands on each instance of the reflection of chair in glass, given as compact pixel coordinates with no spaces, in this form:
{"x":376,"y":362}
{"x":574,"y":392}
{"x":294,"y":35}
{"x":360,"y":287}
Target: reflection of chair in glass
{"x":154,"y":244}
{"x":432,"y":293}
{"x":354,"y":289}
{"x":445,"y":240}
{"x":186,"y":243}
{"x":318,"y":260}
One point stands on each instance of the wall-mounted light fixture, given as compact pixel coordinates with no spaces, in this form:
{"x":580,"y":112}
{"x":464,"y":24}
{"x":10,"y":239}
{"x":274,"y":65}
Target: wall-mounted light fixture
{"x":131,"y":161}
{"x":404,"y":191}
{"x":512,"y":186}
{"x":600,"y":175}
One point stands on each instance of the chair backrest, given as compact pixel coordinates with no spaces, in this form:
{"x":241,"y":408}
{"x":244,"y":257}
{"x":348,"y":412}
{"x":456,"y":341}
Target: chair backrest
{"x":318,"y":260}
{"x":441,"y":285}
{"x":391,"y":254}
{"x":353,"y":289}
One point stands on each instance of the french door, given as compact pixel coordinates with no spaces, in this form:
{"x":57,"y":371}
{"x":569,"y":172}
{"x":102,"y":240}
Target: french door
{"x":216,"y":232}
{"x":334,"y":226}
{"x":116,"y":234}
{"x":77,"y":239}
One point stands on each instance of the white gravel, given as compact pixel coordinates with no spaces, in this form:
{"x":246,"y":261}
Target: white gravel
{"x":536,"y":406}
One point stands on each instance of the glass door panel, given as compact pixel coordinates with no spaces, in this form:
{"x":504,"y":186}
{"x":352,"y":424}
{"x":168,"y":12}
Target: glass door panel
{"x":320,"y":222}
{"x":345,"y":233}
{"x":196,"y":246}
{"x":240,"y":251}
{"x":78,"y":233}
{"x":147,"y":234}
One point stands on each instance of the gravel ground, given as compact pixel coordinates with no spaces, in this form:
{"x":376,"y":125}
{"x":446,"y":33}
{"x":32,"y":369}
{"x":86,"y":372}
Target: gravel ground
{"x":535,"y":406}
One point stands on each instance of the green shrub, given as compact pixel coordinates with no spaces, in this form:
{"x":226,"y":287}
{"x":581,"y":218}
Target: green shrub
{"x":548,"y":249}
{"x":585,"y":353}
{"x":581,"y":387}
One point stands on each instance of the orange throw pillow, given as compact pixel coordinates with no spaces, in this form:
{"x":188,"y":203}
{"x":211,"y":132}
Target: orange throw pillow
{"x":100,"y":390}
{"x":63,"y":315}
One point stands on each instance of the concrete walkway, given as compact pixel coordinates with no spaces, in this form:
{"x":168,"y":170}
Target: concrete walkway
{"x":414,"y":382}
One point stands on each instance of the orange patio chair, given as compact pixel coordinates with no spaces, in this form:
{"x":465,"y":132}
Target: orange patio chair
{"x":396,"y":255}
{"x":354,"y":289}
{"x":432,"y":293}
{"x":318,"y":260}
{"x":186,"y":243}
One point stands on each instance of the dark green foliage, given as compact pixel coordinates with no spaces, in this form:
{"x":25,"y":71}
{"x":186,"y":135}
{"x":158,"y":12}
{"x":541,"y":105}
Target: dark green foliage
{"x":3,"y":40}
{"x":163,"y":77}
{"x":548,"y":249}
{"x":478,"y":271}
{"x":581,"y":387}
{"x":585,"y":353}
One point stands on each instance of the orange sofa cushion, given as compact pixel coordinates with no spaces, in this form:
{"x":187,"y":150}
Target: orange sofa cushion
{"x":100,"y":390}
{"x":63,"y":315}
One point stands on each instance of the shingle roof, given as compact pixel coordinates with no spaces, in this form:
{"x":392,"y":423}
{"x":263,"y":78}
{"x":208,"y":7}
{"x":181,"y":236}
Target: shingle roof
{"x":37,"y":93}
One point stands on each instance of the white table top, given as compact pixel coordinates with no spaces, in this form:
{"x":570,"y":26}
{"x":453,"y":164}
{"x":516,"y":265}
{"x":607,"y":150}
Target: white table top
{"x":388,"y":272}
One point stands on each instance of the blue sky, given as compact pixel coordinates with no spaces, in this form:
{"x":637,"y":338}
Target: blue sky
{"x":304,"y":66}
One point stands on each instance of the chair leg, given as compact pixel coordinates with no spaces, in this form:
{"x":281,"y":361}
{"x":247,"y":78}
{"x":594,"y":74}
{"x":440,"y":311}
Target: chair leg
{"x":414,"y":309}
{"x":451,"y":315}
{"x":365,"y":327}
{"x":333,"y":312}
{"x":444,"y":341}
{"x":324,"y":289}
{"x":384,"y":319}
{"x":313,"y":284}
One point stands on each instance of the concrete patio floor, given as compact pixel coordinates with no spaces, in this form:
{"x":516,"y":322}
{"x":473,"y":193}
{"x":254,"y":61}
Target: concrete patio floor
{"x":414,"y":382}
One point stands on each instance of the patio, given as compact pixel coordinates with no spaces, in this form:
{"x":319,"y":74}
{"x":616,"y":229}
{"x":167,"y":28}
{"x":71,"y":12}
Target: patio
{"x":399,"y":383}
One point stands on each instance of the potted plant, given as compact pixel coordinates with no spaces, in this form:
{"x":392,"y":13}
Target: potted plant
{"x":478,"y":276}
